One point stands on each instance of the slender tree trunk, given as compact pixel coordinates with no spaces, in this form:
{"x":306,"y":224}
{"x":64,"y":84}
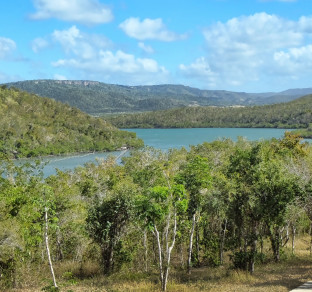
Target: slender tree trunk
{"x":293,"y":235}
{"x":181,"y":255}
{"x":47,"y":246}
{"x":253,"y":248}
{"x":245,"y":250}
{"x":311,"y":238}
{"x":275,"y":243}
{"x":197,"y":245}
{"x":222,"y":241}
{"x":191,"y":245}
{"x":168,"y":255}
{"x":60,"y":255}
{"x":277,"y":251}
{"x":107,"y":257}
{"x":145,"y":250}
{"x":159,"y":255}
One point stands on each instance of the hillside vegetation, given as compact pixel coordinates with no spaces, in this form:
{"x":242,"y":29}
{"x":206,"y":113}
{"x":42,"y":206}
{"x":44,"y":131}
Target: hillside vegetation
{"x":32,"y":126}
{"x":97,"y":98}
{"x":294,"y":114}
{"x":222,"y":216}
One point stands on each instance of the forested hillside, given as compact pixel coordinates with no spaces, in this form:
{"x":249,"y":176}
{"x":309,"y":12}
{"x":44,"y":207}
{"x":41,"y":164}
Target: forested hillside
{"x":295,"y":114}
{"x":32,"y":126}
{"x":97,"y":98}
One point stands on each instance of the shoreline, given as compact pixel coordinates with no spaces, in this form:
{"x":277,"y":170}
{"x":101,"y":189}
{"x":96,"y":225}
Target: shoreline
{"x":72,"y":154}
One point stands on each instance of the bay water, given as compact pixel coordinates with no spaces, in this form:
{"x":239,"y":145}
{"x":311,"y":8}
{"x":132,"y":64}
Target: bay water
{"x":163,"y":139}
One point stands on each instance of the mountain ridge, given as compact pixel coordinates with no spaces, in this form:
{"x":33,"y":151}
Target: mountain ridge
{"x":98,"y":98}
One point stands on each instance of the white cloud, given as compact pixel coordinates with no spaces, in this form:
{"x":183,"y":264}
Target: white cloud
{"x":89,"y":12}
{"x":146,"y":48}
{"x":294,"y":59}
{"x":305,"y":24}
{"x":80,"y":44}
{"x":149,"y":29}
{"x":200,"y":69}
{"x":39,"y":44}
{"x":252,"y":49}
{"x":92,"y":57}
{"x":118,"y":66}
{"x":6,"y":47}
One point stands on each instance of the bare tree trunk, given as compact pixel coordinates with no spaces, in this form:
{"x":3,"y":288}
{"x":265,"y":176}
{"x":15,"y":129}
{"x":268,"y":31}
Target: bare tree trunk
{"x":47,"y":246}
{"x":107,"y":257}
{"x":293,"y":235}
{"x":60,"y":255}
{"x":311,"y":238}
{"x":222,"y":241}
{"x":145,"y":251}
{"x":286,"y":237}
{"x":197,"y":244}
{"x":275,"y":242}
{"x":253,"y":248}
{"x":168,"y":255}
{"x":181,"y":255}
{"x":191,"y":245}
{"x":159,"y":255}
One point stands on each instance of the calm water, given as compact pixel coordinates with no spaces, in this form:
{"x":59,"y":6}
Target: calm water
{"x":176,"y":138}
{"x":164,"y":139}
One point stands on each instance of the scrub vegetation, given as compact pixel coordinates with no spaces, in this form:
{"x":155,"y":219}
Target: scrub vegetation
{"x":223,"y":216}
{"x":34,"y":126}
{"x":291,"y":115}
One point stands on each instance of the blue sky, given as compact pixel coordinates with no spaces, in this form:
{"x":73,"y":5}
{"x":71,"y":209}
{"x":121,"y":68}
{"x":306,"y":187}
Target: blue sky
{"x":238,"y":45}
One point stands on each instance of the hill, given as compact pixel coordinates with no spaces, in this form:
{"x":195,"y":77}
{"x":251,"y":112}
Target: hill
{"x":100,"y":98}
{"x":33,"y":126}
{"x":294,"y":114}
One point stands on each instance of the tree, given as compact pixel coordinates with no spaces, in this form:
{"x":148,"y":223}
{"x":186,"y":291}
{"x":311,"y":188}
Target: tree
{"x":196,"y":178}
{"x":159,"y":209}
{"x":264,"y":189}
{"x":107,"y":221}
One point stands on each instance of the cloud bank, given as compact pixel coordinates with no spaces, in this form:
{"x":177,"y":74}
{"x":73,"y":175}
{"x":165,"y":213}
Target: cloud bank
{"x":149,"y":29}
{"x":89,"y":12}
{"x":252,"y":48}
{"x":94,"y":57}
{"x":6,"y":47}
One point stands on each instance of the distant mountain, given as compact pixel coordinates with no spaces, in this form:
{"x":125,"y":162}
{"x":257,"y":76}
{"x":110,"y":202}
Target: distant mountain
{"x":36,"y":126}
{"x":101,"y":98}
{"x":294,"y":114}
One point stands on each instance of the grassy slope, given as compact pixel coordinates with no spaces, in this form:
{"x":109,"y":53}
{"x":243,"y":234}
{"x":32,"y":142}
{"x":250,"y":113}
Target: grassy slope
{"x":295,"y":114}
{"x":290,"y":273}
{"x":32,"y":126}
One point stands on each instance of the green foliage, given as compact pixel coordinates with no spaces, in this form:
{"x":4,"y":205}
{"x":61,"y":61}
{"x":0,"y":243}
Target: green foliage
{"x":50,"y":288}
{"x":98,"y":98}
{"x":106,"y":222}
{"x":196,"y":177}
{"x":242,"y":193}
{"x":32,"y":126}
{"x":211,"y":248}
{"x":294,"y":114}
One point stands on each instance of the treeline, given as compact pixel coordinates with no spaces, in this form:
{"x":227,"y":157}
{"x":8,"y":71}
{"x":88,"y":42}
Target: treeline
{"x":101,"y":98}
{"x":305,"y":133}
{"x":295,"y":114}
{"x":33,"y":126}
{"x":197,"y":207}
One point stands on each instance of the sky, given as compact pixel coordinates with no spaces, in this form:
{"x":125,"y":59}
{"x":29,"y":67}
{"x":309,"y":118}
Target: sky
{"x":236,"y":45}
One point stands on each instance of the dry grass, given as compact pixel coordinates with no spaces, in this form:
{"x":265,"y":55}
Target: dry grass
{"x":291,"y":272}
